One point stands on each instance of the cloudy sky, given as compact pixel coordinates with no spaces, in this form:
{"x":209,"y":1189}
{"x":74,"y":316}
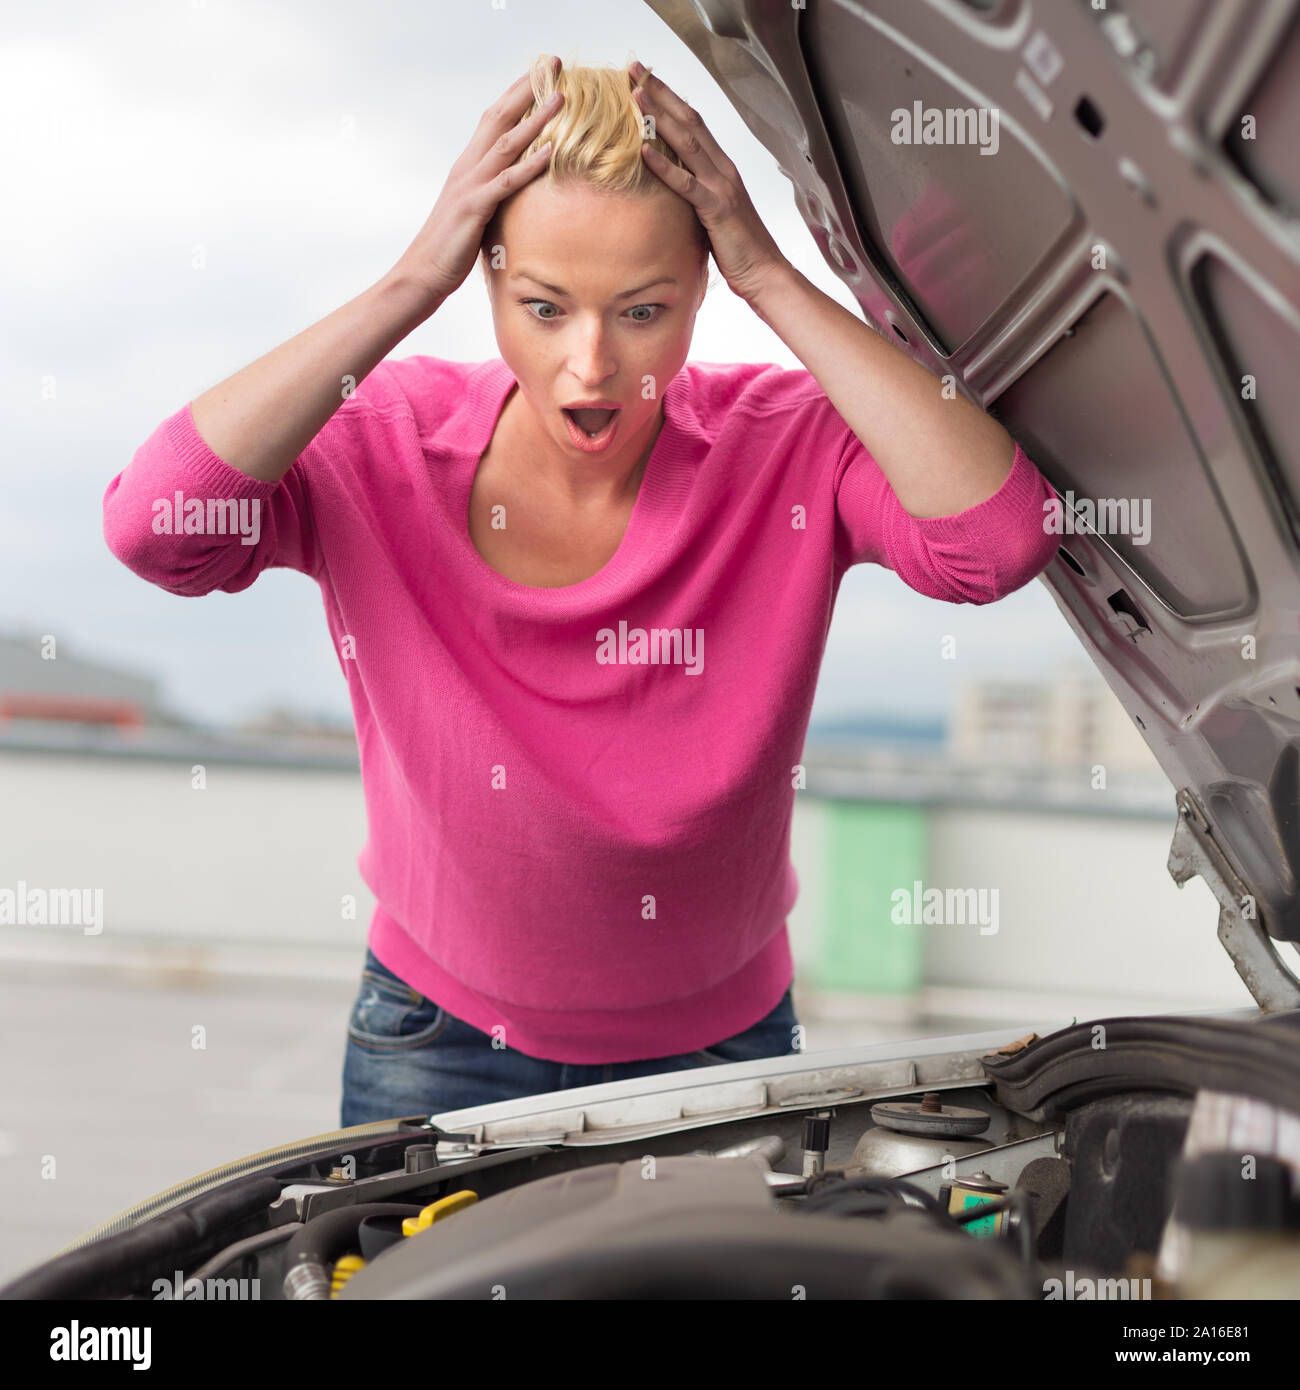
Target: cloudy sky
{"x":193,"y":182}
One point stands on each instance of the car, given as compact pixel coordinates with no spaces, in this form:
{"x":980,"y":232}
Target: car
{"x":1113,"y":273}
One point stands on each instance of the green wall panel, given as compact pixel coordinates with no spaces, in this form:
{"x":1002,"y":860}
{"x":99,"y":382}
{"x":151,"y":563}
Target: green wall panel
{"x":870,"y":850}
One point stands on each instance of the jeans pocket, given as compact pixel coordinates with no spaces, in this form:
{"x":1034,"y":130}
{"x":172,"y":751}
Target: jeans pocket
{"x":389,"y":1016}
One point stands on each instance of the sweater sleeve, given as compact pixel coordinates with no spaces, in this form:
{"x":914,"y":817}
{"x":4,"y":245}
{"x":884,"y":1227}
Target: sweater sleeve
{"x":187,"y":521}
{"x":974,"y":556}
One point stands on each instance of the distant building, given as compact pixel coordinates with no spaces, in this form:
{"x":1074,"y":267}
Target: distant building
{"x":35,"y":684}
{"x":1072,"y":719}
{"x":278,"y":722}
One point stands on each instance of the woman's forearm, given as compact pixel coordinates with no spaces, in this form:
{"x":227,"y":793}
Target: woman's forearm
{"x":940,"y":453}
{"x":262,"y":418}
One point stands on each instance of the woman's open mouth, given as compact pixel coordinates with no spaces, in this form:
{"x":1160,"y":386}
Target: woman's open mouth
{"x":591,"y":430}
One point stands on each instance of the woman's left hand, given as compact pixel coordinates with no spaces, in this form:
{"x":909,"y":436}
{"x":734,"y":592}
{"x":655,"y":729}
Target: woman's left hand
{"x":744,"y":249}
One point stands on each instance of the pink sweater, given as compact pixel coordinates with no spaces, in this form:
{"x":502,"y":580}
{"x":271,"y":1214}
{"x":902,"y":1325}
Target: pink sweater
{"x":579,"y":799}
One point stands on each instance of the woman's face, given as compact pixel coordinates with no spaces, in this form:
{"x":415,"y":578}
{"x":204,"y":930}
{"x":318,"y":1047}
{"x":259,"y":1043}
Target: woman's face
{"x":595,"y":301}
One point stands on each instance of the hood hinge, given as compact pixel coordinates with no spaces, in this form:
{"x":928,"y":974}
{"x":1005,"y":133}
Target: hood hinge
{"x":1194,"y":850}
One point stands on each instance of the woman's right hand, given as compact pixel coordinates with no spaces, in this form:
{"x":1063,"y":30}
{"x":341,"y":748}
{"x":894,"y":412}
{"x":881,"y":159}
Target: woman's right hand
{"x":444,"y":252}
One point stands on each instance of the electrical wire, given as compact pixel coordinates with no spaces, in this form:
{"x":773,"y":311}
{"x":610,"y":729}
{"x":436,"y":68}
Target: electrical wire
{"x":874,"y":1196}
{"x":245,"y":1247}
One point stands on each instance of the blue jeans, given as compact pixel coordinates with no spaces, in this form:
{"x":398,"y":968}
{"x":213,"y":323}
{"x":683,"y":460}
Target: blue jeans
{"x":408,"y":1056}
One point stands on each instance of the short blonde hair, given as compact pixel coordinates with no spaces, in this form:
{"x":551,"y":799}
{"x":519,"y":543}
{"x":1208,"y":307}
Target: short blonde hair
{"x":597,"y":134}
{"x":598,"y":131}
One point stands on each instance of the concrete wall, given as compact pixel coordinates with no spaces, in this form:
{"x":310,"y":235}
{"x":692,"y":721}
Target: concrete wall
{"x":1085,"y":903}
{"x":261,"y":856}
{"x":265,"y":856}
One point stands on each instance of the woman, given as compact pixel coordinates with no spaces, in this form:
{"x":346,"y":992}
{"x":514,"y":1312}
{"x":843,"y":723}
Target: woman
{"x":579,"y":594}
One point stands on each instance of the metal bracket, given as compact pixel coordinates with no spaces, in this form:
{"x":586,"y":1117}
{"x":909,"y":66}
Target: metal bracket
{"x":1254,"y":955}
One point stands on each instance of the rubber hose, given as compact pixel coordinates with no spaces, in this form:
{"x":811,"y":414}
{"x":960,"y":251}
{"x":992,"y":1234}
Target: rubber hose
{"x":320,"y":1242}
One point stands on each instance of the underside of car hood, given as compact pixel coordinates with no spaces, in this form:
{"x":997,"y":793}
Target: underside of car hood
{"x":1111,"y":268}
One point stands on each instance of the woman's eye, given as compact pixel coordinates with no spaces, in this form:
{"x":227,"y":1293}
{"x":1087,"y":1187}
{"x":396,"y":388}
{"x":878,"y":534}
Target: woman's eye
{"x":546,"y":311}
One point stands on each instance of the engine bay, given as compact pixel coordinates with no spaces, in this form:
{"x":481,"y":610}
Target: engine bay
{"x":1130,"y":1158}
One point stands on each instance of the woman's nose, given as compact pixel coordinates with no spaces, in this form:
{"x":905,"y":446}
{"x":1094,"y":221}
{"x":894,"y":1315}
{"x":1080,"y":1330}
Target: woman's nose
{"x":589,"y":360}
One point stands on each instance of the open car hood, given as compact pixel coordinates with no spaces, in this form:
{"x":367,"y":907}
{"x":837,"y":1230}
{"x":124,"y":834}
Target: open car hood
{"x":1115,"y":276}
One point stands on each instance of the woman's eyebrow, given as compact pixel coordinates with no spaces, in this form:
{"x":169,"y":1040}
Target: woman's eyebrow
{"x":650,"y":284}
{"x":626,"y":294}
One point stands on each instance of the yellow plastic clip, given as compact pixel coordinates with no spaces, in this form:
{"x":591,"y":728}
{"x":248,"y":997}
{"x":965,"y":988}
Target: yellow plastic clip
{"x":436,"y":1211}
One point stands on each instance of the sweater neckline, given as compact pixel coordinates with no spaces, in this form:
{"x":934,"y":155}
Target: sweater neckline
{"x":664,"y":485}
